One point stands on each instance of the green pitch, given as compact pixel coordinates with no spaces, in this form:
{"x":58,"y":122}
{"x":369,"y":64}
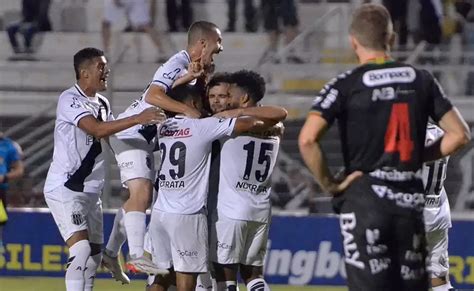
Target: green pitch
{"x":57,"y":284}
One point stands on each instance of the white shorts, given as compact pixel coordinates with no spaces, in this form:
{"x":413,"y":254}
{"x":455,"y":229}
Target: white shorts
{"x":136,"y":11}
{"x":238,"y":241}
{"x":135,"y":158}
{"x":75,"y":211}
{"x":180,"y":241}
{"x":438,"y":259}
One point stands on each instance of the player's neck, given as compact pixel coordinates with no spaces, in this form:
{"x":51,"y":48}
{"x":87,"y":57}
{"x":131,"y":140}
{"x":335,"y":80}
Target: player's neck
{"x":369,"y":56}
{"x":193,"y":53}
{"x":90,"y":92}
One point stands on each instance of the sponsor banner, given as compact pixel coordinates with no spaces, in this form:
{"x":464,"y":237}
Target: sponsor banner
{"x":302,"y":250}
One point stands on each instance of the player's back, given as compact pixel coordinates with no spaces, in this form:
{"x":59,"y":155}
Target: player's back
{"x":185,"y":161}
{"x":382,"y":111}
{"x":246,"y":166}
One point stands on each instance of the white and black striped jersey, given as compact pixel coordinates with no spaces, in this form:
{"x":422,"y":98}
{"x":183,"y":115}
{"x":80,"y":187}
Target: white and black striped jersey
{"x":165,"y":76}
{"x":436,"y":212}
{"x":246,"y":167}
{"x":183,"y":178}
{"x":77,"y":158}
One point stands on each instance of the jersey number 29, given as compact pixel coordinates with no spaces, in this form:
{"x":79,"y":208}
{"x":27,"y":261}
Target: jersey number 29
{"x":177,"y":158}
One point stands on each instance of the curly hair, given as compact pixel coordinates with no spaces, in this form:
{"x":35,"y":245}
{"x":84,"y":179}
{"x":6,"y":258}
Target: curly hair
{"x":251,"y":82}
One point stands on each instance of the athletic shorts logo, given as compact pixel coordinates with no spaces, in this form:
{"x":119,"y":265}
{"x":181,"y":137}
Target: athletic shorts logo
{"x":186,"y":253}
{"x":388,"y":76}
{"x":77,"y":218}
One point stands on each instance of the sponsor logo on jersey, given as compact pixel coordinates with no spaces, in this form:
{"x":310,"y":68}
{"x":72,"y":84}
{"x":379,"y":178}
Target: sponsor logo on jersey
{"x":388,"y":76}
{"x":172,"y":184}
{"x":252,"y":188}
{"x":177,"y":133}
{"x":405,"y":200}
{"x":186,"y":253}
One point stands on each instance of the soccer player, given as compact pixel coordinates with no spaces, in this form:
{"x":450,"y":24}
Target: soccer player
{"x":76,"y":176}
{"x":437,"y":215}
{"x":134,"y":148}
{"x":239,"y":231}
{"x":178,"y":226}
{"x":382,"y":108}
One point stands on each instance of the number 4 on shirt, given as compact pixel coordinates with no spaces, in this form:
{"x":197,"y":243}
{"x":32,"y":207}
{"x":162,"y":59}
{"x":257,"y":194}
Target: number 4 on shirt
{"x":398,"y":137}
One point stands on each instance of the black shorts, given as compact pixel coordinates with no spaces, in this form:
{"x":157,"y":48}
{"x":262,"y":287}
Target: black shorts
{"x":273,"y":10}
{"x":383,"y":250}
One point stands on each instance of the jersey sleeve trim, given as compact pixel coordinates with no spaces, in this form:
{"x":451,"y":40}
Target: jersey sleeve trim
{"x":80,"y":115}
{"x":162,"y":83}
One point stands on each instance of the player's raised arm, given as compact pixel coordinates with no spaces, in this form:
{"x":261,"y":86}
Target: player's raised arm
{"x":101,"y":129}
{"x":156,"y":96}
{"x":270,"y":114}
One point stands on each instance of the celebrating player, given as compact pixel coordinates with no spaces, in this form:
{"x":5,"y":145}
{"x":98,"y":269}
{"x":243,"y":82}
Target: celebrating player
{"x":382,"y":108}
{"x":239,"y":230}
{"x":178,"y":224}
{"x":134,"y":148}
{"x":76,"y":175}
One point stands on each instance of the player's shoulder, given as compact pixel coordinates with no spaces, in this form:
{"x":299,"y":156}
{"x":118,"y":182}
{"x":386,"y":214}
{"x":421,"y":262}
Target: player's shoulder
{"x":70,"y":96}
{"x":180,"y":59}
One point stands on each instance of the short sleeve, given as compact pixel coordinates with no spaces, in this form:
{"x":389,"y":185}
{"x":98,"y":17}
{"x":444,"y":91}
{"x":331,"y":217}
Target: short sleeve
{"x":13,"y":154}
{"x":439,"y":103}
{"x":168,"y":73}
{"x":216,"y":128}
{"x":328,"y":103}
{"x":71,"y":109}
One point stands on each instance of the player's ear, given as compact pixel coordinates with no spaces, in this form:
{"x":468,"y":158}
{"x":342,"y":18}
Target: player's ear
{"x":354,"y":42}
{"x":245,"y":100}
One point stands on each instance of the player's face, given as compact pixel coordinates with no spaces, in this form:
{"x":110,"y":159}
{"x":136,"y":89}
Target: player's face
{"x":213,"y":45}
{"x":236,"y":96}
{"x":98,"y":72}
{"x":219,"y":97}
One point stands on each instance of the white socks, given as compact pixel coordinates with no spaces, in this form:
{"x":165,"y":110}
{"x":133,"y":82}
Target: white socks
{"x":227,"y":286}
{"x":444,"y":287}
{"x":117,"y":236}
{"x":91,"y":269}
{"x":135,"y":227}
{"x":204,"y":282}
{"x":258,"y":285}
{"x":79,"y":253}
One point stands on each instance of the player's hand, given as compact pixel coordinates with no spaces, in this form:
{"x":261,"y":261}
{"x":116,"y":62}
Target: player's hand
{"x":152,"y":115}
{"x":192,"y":113}
{"x":336,"y":188}
{"x":233,"y":113}
{"x":196,"y":70}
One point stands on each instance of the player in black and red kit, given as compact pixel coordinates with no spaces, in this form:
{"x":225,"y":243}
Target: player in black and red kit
{"x":382,"y":108}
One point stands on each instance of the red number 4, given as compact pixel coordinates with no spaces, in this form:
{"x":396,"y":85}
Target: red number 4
{"x":397,"y":137}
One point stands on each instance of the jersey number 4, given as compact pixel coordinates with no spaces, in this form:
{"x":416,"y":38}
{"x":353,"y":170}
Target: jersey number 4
{"x":398,"y":137}
{"x":177,"y":158}
{"x":263,"y":157}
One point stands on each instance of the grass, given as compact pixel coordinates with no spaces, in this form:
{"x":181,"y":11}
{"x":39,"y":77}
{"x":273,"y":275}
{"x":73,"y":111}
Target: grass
{"x":57,"y":284}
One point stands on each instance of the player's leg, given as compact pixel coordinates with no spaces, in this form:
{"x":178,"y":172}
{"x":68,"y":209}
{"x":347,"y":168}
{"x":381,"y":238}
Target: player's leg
{"x":189,"y":242}
{"x":409,"y":238}
{"x":110,"y":256}
{"x":70,"y":211}
{"x":367,"y":242}
{"x":438,"y":259}
{"x":251,"y":269}
{"x":96,"y":238}
{"x":227,"y":245}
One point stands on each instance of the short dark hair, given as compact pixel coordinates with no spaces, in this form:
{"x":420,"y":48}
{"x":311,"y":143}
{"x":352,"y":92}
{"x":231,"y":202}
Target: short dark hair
{"x":217,"y":79}
{"x":185,"y":92}
{"x":372,"y":26}
{"x":83,"y":56}
{"x":199,"y":30}
{"x":251,"y":82}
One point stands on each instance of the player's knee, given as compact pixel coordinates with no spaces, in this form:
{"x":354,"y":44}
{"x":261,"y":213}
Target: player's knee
{"x":95,"y":249}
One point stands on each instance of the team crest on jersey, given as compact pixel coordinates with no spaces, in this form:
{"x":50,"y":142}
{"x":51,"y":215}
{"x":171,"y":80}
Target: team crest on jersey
{"x":77,"y":218}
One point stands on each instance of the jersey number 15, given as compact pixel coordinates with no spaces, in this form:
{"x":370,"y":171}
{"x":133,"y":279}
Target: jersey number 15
{"x":263,"y":157}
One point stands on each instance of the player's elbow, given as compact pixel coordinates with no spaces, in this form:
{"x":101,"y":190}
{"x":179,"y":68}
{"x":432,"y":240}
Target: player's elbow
{"x":283,"y":114}
{"x":463,"y":138}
